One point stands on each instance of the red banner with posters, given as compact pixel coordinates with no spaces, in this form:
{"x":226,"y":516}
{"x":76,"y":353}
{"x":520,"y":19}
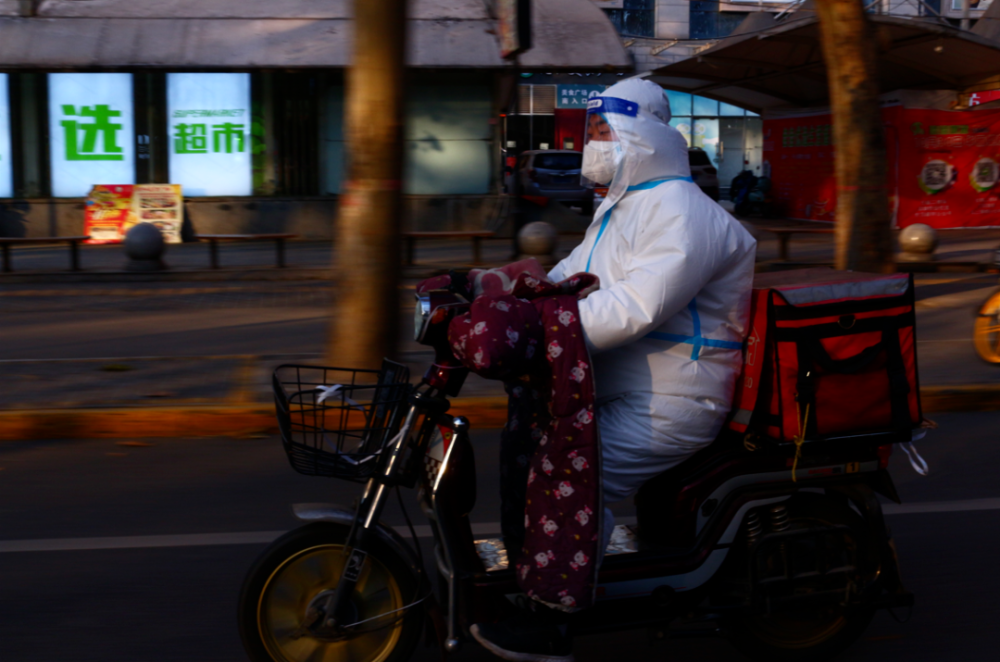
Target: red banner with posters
{"x":799,"y":151}
{"x":949,"y":167}
{"x":944,"y":166}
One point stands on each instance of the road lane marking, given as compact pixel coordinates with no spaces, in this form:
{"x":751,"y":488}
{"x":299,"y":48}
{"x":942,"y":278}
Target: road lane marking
{"x":966,"y":505}
{"x":138,"y":542}
{"x":187,"y":540}
{"x":422,"y":531}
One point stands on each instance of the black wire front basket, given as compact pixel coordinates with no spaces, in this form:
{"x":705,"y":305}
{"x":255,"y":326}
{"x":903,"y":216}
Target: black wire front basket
{"x":335,"y":421}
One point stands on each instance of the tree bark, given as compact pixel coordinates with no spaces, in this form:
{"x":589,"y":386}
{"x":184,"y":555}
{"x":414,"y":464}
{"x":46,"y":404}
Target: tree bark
{"x":364,"y":323}
{"x":863,"y":232}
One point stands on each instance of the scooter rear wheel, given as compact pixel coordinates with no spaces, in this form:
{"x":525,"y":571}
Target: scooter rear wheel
{"x":302,"y":567}
{"x":818,"y":633}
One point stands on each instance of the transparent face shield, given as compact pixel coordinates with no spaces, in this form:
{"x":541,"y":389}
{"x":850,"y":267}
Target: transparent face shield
{"x":602,"y":149}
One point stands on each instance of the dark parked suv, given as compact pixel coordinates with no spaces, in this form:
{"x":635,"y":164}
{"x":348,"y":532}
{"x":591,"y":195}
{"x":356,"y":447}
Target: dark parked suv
{"x":553,"y":174}
{"x":703,"y":172}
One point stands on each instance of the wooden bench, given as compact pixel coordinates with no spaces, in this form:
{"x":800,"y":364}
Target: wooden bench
{"x":214,"y":239}
{"x":476,"y":236}
{"x":785,"y":234}
{"x":74,"y":252}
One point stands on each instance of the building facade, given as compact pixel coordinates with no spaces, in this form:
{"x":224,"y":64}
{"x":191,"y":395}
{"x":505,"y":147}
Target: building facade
{"x":660,"y":32}
{"x":241,"y":102}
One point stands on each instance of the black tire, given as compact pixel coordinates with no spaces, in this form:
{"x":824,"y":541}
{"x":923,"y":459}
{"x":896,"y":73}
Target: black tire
{"x":308,"y":561}
{"x":810,"y":635}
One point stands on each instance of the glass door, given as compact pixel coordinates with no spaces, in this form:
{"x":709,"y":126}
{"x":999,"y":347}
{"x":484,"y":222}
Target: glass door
{"x":732,"y":149}
{"x":705,"y":135}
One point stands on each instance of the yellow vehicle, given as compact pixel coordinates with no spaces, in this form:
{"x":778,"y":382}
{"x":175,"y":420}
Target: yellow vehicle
{"x":986,"y":332}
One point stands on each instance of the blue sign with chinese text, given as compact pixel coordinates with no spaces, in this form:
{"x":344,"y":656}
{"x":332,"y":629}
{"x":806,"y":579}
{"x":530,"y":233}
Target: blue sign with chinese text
{"x":576,"y":96}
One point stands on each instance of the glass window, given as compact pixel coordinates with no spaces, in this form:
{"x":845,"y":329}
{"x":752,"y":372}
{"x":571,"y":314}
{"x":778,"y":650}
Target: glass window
{"x":637,"y":18}
{"x":974,"y":5}
{"x":6,"y":170}
{"x":208,"y":119}
{"x":91,"y":132}
{"x":448,"y":147}
{"x":683,"y":125}
{"x":729,"y":110}
{"x":680,"y":103}
{"x":705,"y":134}
{"x":706,"y":107}
{"x":558,"y":161}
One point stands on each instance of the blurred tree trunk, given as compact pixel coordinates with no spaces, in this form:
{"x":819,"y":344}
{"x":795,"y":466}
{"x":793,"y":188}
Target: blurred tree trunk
{"x":864,"y":236}
{"x":363,"y":327}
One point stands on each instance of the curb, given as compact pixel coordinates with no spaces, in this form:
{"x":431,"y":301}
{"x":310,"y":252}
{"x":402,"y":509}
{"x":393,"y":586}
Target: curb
{"x":225,"y":274}
{"x":258,"y":419}
{"x":188,"y":421}
{"x":960,"y":398}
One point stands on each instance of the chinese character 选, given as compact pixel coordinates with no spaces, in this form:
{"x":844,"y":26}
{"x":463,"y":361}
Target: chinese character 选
{"x":81,"y":136}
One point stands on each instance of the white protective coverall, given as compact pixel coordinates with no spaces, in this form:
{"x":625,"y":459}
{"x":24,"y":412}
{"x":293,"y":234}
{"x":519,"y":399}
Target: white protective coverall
{"x":666,"y":327}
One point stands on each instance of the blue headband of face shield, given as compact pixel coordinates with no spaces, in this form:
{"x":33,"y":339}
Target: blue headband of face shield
{"x":603,"y":105}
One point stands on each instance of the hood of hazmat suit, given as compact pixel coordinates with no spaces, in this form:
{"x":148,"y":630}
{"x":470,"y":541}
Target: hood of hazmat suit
{"x":666,"y":327}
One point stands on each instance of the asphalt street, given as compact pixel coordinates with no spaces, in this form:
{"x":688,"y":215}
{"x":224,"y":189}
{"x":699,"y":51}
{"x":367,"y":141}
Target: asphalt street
{"x":86,"y":321}
{"x":146,"y":569}
{"x":150,"y":540}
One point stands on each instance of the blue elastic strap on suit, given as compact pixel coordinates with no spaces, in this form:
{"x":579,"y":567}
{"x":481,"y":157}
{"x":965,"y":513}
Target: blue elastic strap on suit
{"x":645,"y":186}
{"x":697,"y":340}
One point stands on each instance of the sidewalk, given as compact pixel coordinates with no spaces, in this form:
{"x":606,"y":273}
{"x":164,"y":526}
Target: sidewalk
{"x":227,"y":394}
{"x":311,"y":260}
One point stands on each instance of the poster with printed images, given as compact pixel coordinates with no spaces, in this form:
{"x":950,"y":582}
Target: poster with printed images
{"x":799,"y":151}
{"x":162,"y":205}
{"x":949,"y":168}
{"x":107,"y":213}
{"x":943,"y":166}
{"x":110,"y":211}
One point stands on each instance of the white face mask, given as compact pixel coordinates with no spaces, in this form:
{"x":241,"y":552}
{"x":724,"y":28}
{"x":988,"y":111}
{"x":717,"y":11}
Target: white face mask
{"x":600,"y":161}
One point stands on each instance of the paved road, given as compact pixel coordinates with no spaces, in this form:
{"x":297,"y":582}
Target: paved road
{"x":85,"y":321}
{"x":176,"y":603}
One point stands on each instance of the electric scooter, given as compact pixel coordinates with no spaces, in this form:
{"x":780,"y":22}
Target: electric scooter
{"x":729,"y":543}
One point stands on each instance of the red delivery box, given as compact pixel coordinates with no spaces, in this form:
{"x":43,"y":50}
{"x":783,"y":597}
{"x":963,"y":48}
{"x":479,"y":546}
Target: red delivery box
{"x":829,"y":353}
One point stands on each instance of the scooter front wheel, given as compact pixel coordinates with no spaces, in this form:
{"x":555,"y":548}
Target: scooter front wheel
{"x":280,"y":608}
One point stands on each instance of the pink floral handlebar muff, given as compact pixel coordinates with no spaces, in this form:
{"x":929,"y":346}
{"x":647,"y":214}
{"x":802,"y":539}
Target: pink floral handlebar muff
{"x":525,"y":330}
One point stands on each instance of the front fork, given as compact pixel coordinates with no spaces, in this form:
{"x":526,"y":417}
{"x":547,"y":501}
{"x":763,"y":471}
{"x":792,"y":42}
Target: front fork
{"x":337,"y":614}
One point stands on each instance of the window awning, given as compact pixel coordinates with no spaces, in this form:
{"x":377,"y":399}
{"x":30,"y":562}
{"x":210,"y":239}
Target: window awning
{"x":769,"y":65}
{"x":227,"y":34}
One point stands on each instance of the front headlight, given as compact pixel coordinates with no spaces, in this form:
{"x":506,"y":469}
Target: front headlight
{"x":421,"y":315}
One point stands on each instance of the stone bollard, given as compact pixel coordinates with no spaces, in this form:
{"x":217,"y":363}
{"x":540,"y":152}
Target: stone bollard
{"x":538,"y":240}
{"x":917,"y":243}
{"x":144,"y":247}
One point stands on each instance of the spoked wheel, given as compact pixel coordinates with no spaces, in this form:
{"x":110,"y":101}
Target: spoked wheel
{"x":986,"y":333}
{"x":820,"y":631}
{"x":280,"y":610}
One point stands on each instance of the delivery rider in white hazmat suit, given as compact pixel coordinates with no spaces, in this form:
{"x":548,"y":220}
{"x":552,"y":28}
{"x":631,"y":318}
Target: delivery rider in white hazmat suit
{"x":666,"y":327}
